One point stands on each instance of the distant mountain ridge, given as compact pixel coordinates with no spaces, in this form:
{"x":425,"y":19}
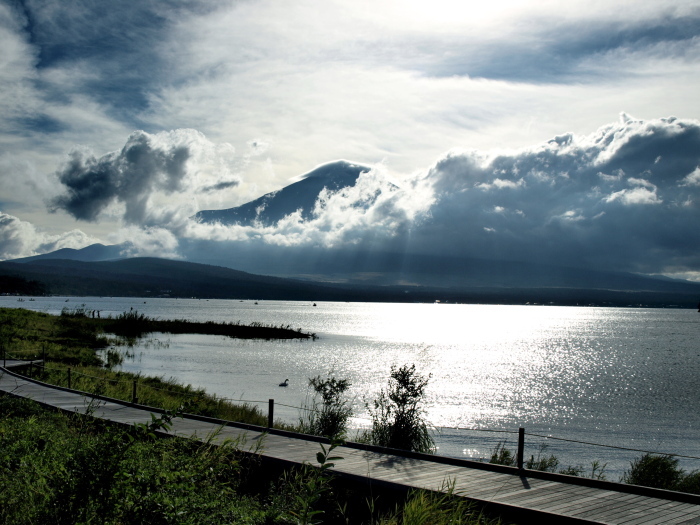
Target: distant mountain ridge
{"x":300,"y":195}
{"x":152,"y":277}
{"x":384,"y":271}
{"x":92,"y":253}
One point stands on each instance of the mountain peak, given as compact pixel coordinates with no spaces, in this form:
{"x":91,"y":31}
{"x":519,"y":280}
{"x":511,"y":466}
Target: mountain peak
{"x":301,"y":194}
{"x":335,"y":169}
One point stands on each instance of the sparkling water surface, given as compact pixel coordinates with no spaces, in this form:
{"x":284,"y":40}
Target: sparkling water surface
{"x":626,"y":377}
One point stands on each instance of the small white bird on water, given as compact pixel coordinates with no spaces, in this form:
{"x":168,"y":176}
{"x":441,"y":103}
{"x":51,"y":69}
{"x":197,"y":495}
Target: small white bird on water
{"x":286,"y":382}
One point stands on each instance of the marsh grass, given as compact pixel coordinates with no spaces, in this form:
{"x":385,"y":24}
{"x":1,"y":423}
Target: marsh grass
{"x":61,"y":469}
{"x":157,"y":392}
{"x":135,"y":324}
{"x":438,"y":508}
{"x":72,"y":339}
{"x":546,"y":463}
{"x":649,"y":470}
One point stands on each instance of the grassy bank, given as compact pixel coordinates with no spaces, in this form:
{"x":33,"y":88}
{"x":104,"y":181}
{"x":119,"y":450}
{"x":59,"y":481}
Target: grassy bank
{"x":66,"y":469}
{"x":72,"y":340}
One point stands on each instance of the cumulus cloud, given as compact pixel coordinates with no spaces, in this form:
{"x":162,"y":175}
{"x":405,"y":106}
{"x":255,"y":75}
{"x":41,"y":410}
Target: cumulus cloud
{"x":692,"y":179}
{"x":373,"y":208}
{"x":634,"y":196}
{"x":22,"y":239}
{"x":148,"y":182}
{"x":623,"y":197}
{"x":147,"y":242}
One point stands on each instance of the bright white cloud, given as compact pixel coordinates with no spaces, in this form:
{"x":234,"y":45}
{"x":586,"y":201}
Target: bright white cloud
{"x":372,"y":208}
{"x":634,"y":196}
{"x":22,"y":239}
{"x":692,"y":179}
{"x":500,"y":184}
{"x":147,"y":242}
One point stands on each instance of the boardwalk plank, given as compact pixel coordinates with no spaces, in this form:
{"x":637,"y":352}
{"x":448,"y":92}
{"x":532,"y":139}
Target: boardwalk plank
{"x":538,"y":496}
{"x":646,"y":512}
{"x":620,"y":510}
{"x":690,"y":521}
{"x":605,"y":508}
{"x":582,"y":496}
{"x":654,"y":516}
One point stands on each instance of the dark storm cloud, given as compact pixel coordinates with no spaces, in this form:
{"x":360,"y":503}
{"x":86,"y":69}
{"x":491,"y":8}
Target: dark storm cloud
{"x":149,"y":182}
{"x":114,"y":48}
{"x":144,"y":165}
{"x":225,"y":185}
{"x":626,"y":197}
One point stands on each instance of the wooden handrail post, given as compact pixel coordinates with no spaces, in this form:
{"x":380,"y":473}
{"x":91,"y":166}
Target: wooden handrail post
{"x":134,"y":399}
{"x":69,"y":378}
{"x":270,"y":412}
{"x":521,"y":447}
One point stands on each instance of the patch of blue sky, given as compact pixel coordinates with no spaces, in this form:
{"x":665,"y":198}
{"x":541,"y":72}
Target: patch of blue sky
{"x":558,"y":53}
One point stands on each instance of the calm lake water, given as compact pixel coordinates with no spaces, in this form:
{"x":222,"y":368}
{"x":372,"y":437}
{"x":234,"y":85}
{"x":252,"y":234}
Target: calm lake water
{"x":626,"y":377}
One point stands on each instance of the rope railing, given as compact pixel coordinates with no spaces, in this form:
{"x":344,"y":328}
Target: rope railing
{"x":521,"y":433}
{"x":615,"y":447}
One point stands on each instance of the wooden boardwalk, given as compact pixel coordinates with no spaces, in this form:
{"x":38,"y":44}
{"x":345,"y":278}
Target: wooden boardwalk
{"x":525,"y":496}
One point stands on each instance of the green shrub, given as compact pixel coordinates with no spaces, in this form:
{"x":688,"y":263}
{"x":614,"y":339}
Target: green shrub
{"x":690,"y":483}
{"x":397,"y":415}
{"x":130,"y":324}
{"x":309,"y":488}
{"x":330,"y":417}
{"x":657,"y":471}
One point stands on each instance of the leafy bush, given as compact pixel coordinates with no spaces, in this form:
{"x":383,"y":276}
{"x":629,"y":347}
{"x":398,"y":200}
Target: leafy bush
{"x":309,"y":488}
{"x":397,"y":415}
{"x":330,"y":418}
{"x":662,"y":472}
{"x":690,"y":483}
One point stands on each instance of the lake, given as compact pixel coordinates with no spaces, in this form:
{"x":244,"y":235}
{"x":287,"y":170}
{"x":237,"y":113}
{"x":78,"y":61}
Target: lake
{"x":626,"y":377}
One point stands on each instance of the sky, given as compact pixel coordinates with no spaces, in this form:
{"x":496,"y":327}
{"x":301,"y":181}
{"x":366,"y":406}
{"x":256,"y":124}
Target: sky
{"x":564,"y":132}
